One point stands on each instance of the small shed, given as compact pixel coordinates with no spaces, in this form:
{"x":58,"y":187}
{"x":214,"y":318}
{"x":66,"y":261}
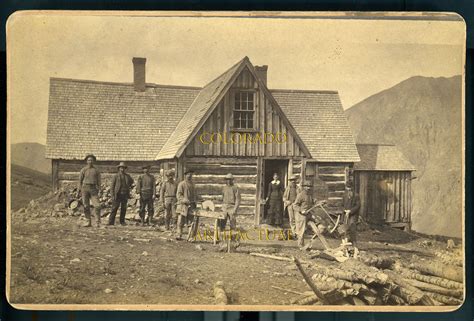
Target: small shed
{"x":383,"y":180}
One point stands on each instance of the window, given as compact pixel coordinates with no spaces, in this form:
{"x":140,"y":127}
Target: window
{"x":244,"y":110}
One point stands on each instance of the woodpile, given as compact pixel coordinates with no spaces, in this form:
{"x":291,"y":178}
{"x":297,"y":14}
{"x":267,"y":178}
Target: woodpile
{"x":378,"y":280}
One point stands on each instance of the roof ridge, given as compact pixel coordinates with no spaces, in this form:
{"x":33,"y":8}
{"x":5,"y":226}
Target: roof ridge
{"x":237,"y":63}
{"x":305,"y":91}
{"x":153,"y":85}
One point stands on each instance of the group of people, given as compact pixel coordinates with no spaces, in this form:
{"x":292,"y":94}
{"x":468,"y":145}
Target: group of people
{"x":298,"y":202}
{"x":178,"y":200}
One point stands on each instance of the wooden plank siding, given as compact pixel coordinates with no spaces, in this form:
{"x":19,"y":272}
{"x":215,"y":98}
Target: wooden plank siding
{"x":385,"y":196}
{"x":267,"y":120}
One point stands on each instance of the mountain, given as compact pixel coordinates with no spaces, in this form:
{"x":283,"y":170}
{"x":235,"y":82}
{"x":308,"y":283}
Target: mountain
{"x":26,"y":185}
{"x":422,"y":116}
{"x":31,"y":155}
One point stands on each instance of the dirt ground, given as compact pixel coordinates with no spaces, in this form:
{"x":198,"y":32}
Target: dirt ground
{"x":56,"y":261}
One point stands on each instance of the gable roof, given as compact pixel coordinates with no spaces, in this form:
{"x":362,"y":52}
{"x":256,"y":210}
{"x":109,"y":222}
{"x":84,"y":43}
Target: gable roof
{"x":112,"y":120}
{"x":115,"y":122}
{"x":319,"y":119}
{"x":205,"y":103}
{"x":376,"y":157}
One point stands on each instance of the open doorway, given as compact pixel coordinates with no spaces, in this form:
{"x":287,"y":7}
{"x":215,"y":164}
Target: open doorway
{"x":272,"y":166}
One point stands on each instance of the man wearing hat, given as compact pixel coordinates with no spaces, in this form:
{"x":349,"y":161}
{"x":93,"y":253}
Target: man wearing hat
{"x":120,"y":189}
{"x":186,"y":201}
{"x":230,"y":203}
{"x":89,"y":186}
{"x":289,"y":197}
{"x":168,"y":199}
{"x":303,"y":202}
{"x":147,"y":190}
{"x":351,"y":203}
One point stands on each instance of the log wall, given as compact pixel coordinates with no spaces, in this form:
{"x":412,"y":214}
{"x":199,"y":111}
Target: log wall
{"x":209,"y":179}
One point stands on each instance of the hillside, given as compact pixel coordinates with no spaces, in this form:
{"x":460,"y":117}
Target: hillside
{"x":27,"y":184}
{"x":422,"y":116}
{"x":31,"y":155}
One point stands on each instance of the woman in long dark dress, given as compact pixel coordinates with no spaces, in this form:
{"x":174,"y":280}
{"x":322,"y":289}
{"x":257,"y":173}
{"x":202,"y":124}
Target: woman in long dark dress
{"x":275,"y":201}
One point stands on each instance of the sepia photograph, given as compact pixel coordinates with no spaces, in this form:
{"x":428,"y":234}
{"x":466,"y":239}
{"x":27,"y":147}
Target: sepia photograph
{"x":259,"y":161}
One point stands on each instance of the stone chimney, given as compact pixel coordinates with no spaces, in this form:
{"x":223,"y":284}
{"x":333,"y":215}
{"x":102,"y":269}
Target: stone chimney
{"x":262,"y":73}
{"x":139,"y":72}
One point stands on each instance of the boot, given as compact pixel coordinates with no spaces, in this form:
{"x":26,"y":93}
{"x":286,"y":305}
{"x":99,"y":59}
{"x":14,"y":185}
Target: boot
{"x":88,"y":218}
{"x":88,"y":223}
{"x":142,"y":219}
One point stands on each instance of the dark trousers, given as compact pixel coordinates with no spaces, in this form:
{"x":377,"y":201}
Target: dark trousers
{"x":146,"y":203}
{"x":119,"y":201}
{"x":352,"y":228}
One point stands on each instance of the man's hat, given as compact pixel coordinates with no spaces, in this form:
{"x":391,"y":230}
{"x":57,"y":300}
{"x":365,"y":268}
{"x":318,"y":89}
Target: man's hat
{"x":169,"y":173}
{"x":293,"y":177}
{"x":90,"y":155}
{"x":122,"y":164}
{"x":188,"y":171}
{"x":350,"y":184}
{"x":308,"y":183}
{"x":229,"y":176}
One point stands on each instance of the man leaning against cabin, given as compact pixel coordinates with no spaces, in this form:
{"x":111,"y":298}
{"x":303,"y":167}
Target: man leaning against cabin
{"x":186,"y":201}
{"x":289,"y":197}
{"x":351,"y":203}
{"x":230,"y":203}
{"x":89,"y":187}
{"x":147,"y":190}
{"x":120,"y":188}
{"x":168,"y":199}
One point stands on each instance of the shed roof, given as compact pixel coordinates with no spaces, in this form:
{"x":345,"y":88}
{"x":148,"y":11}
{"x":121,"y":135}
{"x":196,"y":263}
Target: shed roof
{"x":375,"y":157}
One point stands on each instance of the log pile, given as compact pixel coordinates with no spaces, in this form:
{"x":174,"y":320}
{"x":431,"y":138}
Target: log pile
{"x":378,"y":280}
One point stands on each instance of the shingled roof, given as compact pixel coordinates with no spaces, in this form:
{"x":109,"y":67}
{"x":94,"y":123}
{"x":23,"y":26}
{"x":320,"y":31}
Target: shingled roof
{"x":319,"y":119}
{"x":112,"y":120}
{"x":115,"y":122}
{"x":375,"y":157}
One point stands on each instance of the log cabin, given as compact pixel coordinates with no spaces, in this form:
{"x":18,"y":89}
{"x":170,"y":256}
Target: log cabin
{"x":234,"y":124}
{"x":383,"y":180}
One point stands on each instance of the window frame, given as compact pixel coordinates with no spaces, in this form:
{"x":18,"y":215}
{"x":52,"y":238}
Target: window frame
{"x":233,"y":100}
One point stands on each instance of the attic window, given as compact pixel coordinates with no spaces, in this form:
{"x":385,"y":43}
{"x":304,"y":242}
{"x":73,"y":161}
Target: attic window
{"x":244,"y":110}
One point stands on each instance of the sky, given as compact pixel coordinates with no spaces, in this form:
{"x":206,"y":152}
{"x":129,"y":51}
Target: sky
{"x":358,"y":58}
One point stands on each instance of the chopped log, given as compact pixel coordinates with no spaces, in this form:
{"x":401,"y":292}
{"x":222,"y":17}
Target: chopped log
{"x":409,"y":293}
{"x":441,"y":270}
{"x":380,"y":262}
{"x":310,"y":283}
{"x":444,"y":299}
{"x":326,"y":282}
{"x":435,"y":288}
{"x":273,"y":257}
{"x":306,"y":300}
{"x":395,"y":300}
{"x":448,"y":284}
{"x":219,"y":293}
{"x":450,"y":258}
{"x":365,"y":274}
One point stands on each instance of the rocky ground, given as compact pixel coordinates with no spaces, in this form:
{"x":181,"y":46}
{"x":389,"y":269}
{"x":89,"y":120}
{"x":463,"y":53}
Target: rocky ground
{"x":55,"y":261}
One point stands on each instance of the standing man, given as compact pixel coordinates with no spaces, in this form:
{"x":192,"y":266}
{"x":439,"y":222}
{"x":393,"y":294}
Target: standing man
{"x":289,"y":197}
{"x":231,"y":202}
{"x":120,"y":189}
{"x":186,"y":201}
{"x":168,"y":199}
{"x":303,"y":202}
{"x":146,"y":189}
{"x":89,"y":186}
{"x":351,"y":203}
